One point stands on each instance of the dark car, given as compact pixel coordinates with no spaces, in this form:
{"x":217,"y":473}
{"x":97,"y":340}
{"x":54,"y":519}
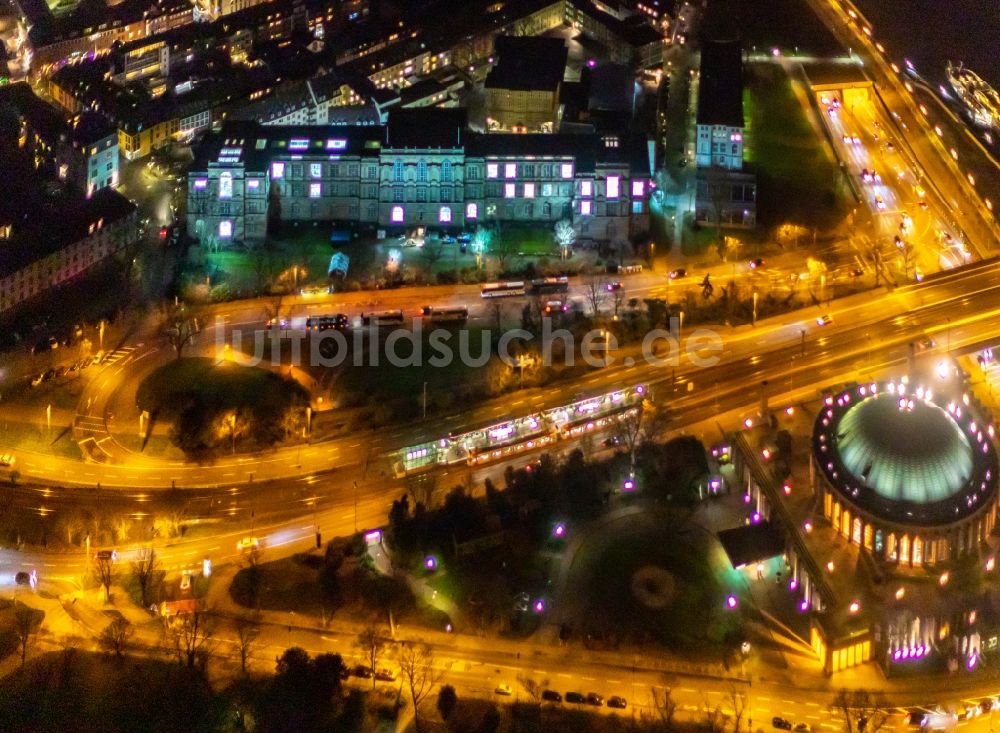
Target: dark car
{"x":46,"y":344}
{"x":614,"y":286}
{"x":781,"y":723}
{"x":362,"y":671}
{"x":756,"y":263}
{"x":594,"y":699}
{"x":575,"y":697}
{"x":680,"y":272}
{"x":617,"y":702}
{"x":551,"y":696}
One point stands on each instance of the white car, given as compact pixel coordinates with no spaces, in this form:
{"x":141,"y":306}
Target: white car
{"x":247,"y":543}
{"x":503,"y":690}
{"x":6,"y":460}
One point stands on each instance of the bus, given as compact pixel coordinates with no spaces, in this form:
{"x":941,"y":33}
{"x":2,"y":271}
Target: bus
{"x":503,"y":290}
{"x":383,"y":318}
{"x":550,"y":285}
{"x":339,"y":321}
{"x":457,"y":314}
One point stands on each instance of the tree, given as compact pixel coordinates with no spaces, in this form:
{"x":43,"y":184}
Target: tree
{"x":447,"y":701}
{"x":191,"y":634}
{"x":628,"y":429}
{"x":502,"y":249}
{"x":115,"y":637}
{"x":247,"y":632}
{"x":147,"y":573}
{"x":234,"y":424}
{"x":105,"y":566}
{"x":664,"y":709}
{"x":371,"y":642}
{"x":738,"y":701}
{"x":262,"y":256}
{"x":565,"y":236}
{"x":432,"y":251}
{"x":179,"y":330}
{"x":595,"y":290}
{"x":26,"y":623}
{"x":481,"y":242}
{"x":863,"y":711}
{"x":417,"y":664}
{"x":720,"y":190}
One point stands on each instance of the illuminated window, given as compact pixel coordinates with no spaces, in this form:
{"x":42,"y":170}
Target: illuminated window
{"x":315,"y":170}
{"x":471,"y":211}
{"x":637,"y":207}
{"x":510,"y":170}
{"x":298,"y":144}
{"x":444,"y":215}
{"x":253,"y":184}
{"x":397,"y":170}
{"x":201,"y":184}
{"x":225,"y":229}
{"x":446,"y":171}
{"x":586,"y":188}
{"x":336,"y":144}
{"x":226,"y":186}
{"x":509,"y":190}
{"x":397,"y":214}
{"x":529,"y":190}
{"x":315,"y":190}
{"x":492,"y":170}
{"x":566,"y":170}
{"x":638,"y":188}
{"x":586,"y":207}
{"x":277,"y":170}
{"x":612,"y":186}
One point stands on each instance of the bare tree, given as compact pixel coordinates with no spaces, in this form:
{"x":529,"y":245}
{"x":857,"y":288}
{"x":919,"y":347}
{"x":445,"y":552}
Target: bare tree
{"x":502,"y":249}
{"x":26,"y":626}
{"x":147,"y":572}
{"x":105,"y":565}
{"x":115,"y":637}
{"x":565,"y":236}
{"x":371,"y":642}
{"x":247,"y":633}
{"x":417,"y":664}
{"x":532,"y":689}
{"x":595,"y":290}
{"x":863,"y":711}
{"x":627,"y":431}
{"x":738,"y":701}
{"x":719,"y":189}
{"x":191,"y":635}
{"x":179,"y":330}
{"x":262,"y":255}
{"x":663,"y":708}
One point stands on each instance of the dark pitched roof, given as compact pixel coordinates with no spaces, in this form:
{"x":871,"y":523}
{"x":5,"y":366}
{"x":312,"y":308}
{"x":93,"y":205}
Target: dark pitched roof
{"x":425,"y":128}
{"x":752,"y":543}
{"x":528,"y":63}
{"x":720,"y":91}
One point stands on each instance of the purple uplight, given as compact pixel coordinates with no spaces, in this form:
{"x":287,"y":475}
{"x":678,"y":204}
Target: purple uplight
{"x":559,"y":530}
{"x":629,"y":485}
{"x":731,"y":602}
{"x":539,"y":605}
{"x":430,"y":563}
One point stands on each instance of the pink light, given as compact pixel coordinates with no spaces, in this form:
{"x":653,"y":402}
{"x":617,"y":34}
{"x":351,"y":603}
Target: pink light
{"x":559,"y":530}
{"x":731,"y":602}
{"x":539,"y":605}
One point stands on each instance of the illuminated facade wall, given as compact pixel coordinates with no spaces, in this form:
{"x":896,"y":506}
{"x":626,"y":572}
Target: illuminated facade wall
{"x":412,"y":187}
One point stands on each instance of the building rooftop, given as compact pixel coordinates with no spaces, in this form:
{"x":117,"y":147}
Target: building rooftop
{"x":528,"y":63}
{"x":720,"y":90}
{"x":425,"y":128}
{"x":31,"y":206}
{"x":908,"y":456}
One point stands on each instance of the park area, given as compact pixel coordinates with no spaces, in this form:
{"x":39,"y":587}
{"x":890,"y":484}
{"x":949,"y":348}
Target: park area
{"x":798,"y":180}
{"x":645,"y":568}
{"x":221,"y":406}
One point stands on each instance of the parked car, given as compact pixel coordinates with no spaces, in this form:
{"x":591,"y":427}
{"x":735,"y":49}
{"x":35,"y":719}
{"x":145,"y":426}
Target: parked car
{"x":503,"y":690}
{"x":781,"y":723}
{"x":594,"y":699}
{"x":362,"y":671}
{"x":47,"y":344}
{"x":803,"y":728}
{"x":617,"y":702}
{"x":575,"y":697}
{"x":551,"y":696}
{"x":385,"y":675}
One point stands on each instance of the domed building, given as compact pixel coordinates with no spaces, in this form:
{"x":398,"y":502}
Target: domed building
{"x":906,"y":473}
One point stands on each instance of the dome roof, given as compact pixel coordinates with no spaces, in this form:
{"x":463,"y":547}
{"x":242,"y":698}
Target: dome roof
{"x":917,"y":455}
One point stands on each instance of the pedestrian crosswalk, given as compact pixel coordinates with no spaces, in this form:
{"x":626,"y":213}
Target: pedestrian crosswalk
{"x":117,"y":355}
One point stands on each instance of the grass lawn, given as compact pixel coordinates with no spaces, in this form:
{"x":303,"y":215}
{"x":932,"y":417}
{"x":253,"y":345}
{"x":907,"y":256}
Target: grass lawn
{"x":797,"y":179}
{"x":607,"y":583}
{"x":167,"y":389}
{"x":786,"y":24}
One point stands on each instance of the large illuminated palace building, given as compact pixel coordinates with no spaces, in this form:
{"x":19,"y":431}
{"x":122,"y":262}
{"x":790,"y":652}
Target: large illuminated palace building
{"x":906,"y":473}
{"x":422,"y":169}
